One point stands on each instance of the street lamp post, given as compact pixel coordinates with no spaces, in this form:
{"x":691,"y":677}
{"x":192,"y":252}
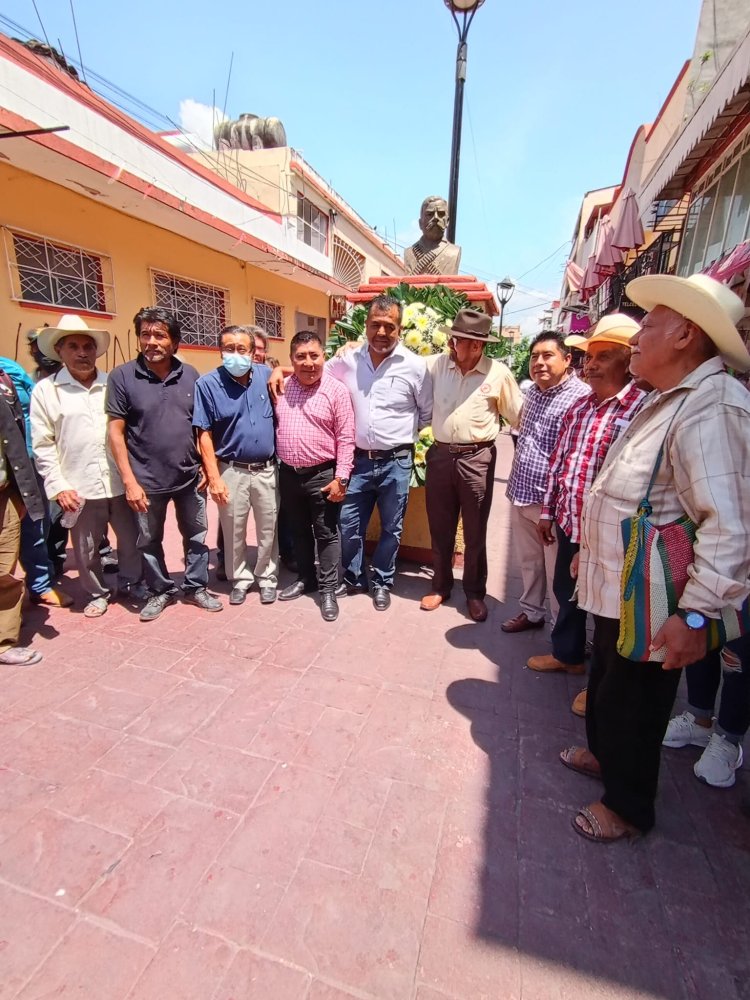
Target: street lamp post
{"x":505,"y":289}
{"x":463,"y":12}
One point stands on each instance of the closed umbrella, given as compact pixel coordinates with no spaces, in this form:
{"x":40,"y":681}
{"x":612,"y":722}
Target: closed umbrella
{"x":574,"y":274}
{"x":590,"y":280}
{"x":606,"y":256}
{"x":628,"y":234}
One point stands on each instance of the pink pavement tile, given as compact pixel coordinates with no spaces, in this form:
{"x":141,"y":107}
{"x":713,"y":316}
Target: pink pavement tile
{"x":298,"y":714}
{"x":188,"y":965}
{"x":105,"y":707}
{"x":448,"y":759}
{"x":29,"y":928}
{"x":273,"y":836}
{"x":248,"y":647}
{"x":328,"y":746}
{"x":101,"y":650}
{"x":53,"y":693}
{"x":387,"y":744}
{"x":177,"y":715}
{"x":242,"y":714}
{"x":277,"y":742}
{"x":336,"y":691}
{"x":55,"y":750}
{"x":211,"y":666}
{"x":405,"y":844}
{"x":253,"y":977}
{"x":111,"y":802}
{"x":324,"y":991}
{"x":454,"y":960}
{"x":456,"y":890}
{"x":144,"y":893}
{"x":89,"y":962}
{"x":141,"y":680}
{"x":155,"y":658}
{"x":134,"y":758}
{"x":219,"y":776}
{"x":59,"y":857}
{"x":22,"y":797}
{"x":426,"y":993}
{"x":339,"y":845}
{"x":233,"y":904}
{"x":297,"y":652}
{"x":358,"y":797}
{"x":345,"y":929}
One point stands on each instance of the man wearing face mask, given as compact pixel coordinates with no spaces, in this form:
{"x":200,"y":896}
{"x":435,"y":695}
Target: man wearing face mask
{"x":234,"y":420}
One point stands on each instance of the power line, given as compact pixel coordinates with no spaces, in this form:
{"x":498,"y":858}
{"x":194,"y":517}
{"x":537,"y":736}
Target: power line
{"x":549,"y":257}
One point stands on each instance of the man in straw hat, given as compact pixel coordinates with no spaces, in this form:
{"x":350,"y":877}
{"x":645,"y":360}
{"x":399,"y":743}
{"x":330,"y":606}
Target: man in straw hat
{"x":471,"y":393}
{"x":701,"y":417}
{"x":589,"y":428}
{"x":69,"y":437}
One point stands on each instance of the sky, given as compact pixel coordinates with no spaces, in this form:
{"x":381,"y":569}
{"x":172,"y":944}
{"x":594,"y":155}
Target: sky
{"x":554,"y":95}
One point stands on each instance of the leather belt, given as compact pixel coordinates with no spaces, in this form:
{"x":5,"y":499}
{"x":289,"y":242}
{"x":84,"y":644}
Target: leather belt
{"x":464,"y":449}
{"x":397,"y":452}
{"x":251,"y":466}
{"x":308,"y":470}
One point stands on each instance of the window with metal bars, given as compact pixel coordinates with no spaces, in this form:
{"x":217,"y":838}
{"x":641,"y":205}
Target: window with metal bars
{"x":58,"y":274}
{"x":269,"y":317}
{"x":201,"y":309}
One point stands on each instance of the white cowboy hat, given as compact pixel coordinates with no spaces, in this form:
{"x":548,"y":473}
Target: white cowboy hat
{"x":708,"y":303}
{"x":617,"y":328}
{"x":70,"y":323}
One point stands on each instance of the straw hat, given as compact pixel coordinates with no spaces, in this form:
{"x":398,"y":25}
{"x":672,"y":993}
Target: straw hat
{"x":708,"y":303}
{"x":70,"y":323}
{"x":471,"y":324}
{"x":617,"y":328}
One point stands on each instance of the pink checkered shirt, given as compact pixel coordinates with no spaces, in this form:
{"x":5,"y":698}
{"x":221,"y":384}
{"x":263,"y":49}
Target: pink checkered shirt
{"x":315,"y":424}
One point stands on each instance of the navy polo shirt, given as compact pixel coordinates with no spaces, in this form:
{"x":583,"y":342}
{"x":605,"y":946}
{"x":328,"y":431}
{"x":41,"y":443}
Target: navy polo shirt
{"x":158,"y":419}
{"x":239,"y":417}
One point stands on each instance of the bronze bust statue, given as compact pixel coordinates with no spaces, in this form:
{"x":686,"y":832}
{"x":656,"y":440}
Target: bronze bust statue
{"x":432,"y":253}
{"x":250,"y":132}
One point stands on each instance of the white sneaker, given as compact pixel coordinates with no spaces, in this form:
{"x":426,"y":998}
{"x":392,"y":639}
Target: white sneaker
{"x":683,"y":731}
{"x":718,"y":762}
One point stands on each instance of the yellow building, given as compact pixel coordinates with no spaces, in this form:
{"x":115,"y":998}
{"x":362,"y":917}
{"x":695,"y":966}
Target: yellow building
{"x":103,"y":216}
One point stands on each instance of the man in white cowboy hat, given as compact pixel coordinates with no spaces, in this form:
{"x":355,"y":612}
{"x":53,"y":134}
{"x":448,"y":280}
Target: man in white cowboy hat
{"x":471,"y":392}
{"x":589,"y":428}
{"x":700,"y":415}
{"x":69,"y":438}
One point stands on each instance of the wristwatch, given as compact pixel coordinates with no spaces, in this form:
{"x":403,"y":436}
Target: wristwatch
{"x":693,"y":619}
{"x":343,"y":481}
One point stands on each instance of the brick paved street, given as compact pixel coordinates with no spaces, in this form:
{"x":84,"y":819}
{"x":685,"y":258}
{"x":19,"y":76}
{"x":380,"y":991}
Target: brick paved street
{"x":260,"y":805}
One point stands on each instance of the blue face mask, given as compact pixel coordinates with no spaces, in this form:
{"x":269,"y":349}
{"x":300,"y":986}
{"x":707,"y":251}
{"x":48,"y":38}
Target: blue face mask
{"x":237,"y":364}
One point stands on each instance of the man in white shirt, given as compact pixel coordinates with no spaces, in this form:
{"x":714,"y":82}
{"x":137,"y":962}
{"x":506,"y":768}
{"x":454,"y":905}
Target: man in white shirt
{"x":69,"y":438}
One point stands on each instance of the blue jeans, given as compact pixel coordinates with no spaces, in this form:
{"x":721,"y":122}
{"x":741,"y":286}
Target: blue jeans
{"x":703,"y":679}
{"x":34,"y":556}
{"x":384,"y":482}
{"x":190,"y":510}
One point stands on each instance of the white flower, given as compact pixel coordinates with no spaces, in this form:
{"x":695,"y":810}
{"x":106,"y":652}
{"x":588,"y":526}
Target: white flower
{"x":422,"y":323}
{"x":439,"y":339}
{"x":413,"y":340}
{"x":410,"y":313}
{"x":425,"y":349}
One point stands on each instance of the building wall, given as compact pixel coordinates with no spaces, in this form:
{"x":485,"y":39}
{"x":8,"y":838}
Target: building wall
{"x":38,"y":206}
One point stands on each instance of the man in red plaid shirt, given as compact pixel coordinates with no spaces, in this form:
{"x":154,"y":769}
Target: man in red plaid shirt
{"x":587,"y":431}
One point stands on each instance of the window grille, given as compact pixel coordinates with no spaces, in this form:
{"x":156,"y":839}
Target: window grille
{"x":269,"y":317}
{"x":201,"y":309}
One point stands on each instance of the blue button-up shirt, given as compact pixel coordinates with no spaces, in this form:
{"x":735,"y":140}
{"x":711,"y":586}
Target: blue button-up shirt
{"x":391,"y":402}
{"x":239,"y":417}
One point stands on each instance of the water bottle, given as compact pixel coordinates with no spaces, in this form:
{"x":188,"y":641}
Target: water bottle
{"x":70,"y":517}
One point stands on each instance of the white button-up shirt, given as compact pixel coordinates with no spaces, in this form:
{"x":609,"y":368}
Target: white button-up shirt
{"x":705,"y":472}
{"x":391,"y":402}
{"x":69,"y":437}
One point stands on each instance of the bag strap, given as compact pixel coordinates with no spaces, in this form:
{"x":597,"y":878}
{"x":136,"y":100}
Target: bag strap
{"x":660,"y":453}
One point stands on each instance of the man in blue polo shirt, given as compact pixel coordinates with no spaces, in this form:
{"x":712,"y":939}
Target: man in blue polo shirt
{"x":150,"y":407}
{"x":234,"y":419}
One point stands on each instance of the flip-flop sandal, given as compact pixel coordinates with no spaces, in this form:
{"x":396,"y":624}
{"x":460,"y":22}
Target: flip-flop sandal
{"x":573,"y":757}
{"x":19,"y":656}
{"x":96,"y":608}
{"x":616,"y":829}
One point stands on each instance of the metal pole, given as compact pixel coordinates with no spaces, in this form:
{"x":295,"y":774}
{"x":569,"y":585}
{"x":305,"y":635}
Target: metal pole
{"x":502,"y":310}
{"x":458,"y":112}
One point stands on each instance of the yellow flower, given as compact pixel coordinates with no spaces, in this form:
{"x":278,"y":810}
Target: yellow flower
{"x":413,"y":340}
{"x":410,"y":313}
{"x":439,"y":339}
{"x":425,"y":349}
{"x":426,"y":434}
{"x":422,"y":323}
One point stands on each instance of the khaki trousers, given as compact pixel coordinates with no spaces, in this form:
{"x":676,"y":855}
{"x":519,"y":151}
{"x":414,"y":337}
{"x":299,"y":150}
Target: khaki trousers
{"x":537,"y":562}
{"x":87,"y":533}
{"x":257,"y":491}
{"x":11,"y":587}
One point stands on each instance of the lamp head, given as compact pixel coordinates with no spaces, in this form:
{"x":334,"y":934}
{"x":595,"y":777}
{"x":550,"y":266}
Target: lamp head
{"x":463,"y":6}
{"x":505,"y":289}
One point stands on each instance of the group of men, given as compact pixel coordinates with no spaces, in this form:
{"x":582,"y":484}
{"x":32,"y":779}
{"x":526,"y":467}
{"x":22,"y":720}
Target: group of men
{"x":327,"y":442}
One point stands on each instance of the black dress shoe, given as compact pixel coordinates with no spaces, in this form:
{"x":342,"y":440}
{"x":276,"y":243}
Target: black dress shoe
{"x":329,"y":607}
{"x":267,"y":595}
{"x":238,"y":596}
{"x":381,"y":598}
{"x":295,"y":590}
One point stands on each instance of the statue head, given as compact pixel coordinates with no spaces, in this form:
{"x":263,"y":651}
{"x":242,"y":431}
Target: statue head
{"x":433,"y":217}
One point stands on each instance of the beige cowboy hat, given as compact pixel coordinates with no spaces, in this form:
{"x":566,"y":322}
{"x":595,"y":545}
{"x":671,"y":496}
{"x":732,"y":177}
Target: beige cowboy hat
{"x":708,"y":303}
{"x":471,"y":324}
{"x":70,"y":323}
{"x":617,"y":328}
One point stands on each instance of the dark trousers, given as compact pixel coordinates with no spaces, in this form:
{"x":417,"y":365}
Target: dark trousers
{"x":190,"y":510}
{"x":569,"y":631}
{"x":460,"y":485}
{"x":313,"y":520}
{"x":703,"y":679}
{"x":627,"y":711}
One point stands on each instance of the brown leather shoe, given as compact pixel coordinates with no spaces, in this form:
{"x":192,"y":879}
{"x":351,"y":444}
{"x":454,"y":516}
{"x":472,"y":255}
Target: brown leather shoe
{"x":54,"y":598}
{"x":521,"y":623}
{"x":579,"y":704}
{"x":430,"y":602}
{"x":548,"y":664}
{"x":477,"y":609}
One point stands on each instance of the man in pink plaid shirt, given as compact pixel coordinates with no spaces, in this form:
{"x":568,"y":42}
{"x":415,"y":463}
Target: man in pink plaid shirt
{"x":315,"y":446}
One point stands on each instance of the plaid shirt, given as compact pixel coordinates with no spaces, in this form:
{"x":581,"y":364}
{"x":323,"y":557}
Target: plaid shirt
{"x":541,"y":417}
{"x":315,"y":424}
{"x":588,"y":429}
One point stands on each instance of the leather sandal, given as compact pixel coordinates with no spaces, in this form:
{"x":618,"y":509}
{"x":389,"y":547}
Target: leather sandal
{"x":604,"y":826}
{"x":582,"y":761}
